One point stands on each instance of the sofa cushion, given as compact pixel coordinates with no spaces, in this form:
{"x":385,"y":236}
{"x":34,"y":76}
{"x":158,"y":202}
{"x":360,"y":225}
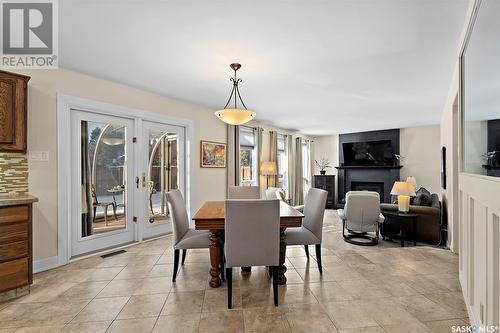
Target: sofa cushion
{"x":423,"y":198}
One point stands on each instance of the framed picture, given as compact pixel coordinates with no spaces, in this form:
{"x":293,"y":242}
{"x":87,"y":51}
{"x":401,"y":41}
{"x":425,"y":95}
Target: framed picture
{"x":212,"y":154}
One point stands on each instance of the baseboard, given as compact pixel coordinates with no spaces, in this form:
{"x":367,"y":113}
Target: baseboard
{"x":45,"y":264}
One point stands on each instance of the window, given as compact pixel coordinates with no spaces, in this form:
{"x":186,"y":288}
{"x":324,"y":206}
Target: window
{"x":248,"y":157}
{"x":306,"y":165}
{"x":283,"y":163}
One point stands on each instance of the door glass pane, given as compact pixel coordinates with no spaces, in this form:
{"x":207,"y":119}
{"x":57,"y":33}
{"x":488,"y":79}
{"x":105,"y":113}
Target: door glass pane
{"x":162,"y":174}
{"x":103,"y":169}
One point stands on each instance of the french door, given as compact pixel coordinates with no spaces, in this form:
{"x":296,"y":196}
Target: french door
{"x":163,"y":165}
{"x":102,"y":176}
{"x":121,"y":169}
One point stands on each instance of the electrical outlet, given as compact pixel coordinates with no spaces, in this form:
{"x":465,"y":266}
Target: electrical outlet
{"x":38,"y":155}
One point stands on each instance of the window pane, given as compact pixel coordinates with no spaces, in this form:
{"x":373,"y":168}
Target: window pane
{"x":248,"y":157}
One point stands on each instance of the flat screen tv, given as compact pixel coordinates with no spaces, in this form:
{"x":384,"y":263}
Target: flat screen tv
{"x":369,"y":153}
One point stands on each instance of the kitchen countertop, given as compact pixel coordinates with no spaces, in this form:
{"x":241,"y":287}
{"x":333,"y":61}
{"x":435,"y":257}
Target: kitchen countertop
{"x":17,"y":199}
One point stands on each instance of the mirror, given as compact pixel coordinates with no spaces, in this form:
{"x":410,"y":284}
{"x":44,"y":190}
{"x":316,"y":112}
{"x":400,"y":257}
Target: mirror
{"x":481,"y":93}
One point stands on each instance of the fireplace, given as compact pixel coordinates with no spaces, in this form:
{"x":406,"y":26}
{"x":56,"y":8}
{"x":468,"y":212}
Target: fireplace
{"x":369,"y":186}
{"x":377,"y":177}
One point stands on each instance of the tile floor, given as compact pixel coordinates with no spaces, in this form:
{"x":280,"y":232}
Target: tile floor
{"x":363,"y":289}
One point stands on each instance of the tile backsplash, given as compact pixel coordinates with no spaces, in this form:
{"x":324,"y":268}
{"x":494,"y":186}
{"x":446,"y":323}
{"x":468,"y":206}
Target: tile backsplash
{"x":13,"y":173}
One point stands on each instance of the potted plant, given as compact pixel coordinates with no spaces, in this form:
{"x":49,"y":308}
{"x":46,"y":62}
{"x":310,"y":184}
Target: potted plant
{"x":323,"y":164}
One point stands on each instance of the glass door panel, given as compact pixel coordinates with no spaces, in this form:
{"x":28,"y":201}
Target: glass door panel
{"x":102,"y":175}
{"x":165,"y":156}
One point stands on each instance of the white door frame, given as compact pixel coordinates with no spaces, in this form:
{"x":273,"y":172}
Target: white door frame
{"x":66,"y":103}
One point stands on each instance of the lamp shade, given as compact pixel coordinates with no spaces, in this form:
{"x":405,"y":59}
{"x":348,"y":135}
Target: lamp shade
{"x":268,"y":168}
{"x":235,"y":116}
{"x":412,"y":181}
{"x":403,"y":188}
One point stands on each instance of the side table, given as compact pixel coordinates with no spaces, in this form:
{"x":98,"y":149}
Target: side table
{"x":402,"y":219}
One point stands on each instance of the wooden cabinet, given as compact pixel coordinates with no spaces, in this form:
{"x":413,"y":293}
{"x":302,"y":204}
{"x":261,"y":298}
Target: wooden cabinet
{"x":16,"y":260}
{"x":13,"y":112}
{"x":327,"y":183}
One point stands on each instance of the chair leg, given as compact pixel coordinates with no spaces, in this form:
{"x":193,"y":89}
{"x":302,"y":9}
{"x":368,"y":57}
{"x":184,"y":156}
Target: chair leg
{"x":318,"y":258}
{"x":229,"y":276}
{"x":275,"y":285}
{"x":307,"y":251}
{"x":176,"y":264}
{"x":114,"y":211}
{"x":93,"y":216}
{"x":184,"y":252}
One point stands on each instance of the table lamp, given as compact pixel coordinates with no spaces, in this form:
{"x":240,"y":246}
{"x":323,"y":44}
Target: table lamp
{"x":267,"y":169}
{"x":403,"y":190}
{"x":412,"y":181}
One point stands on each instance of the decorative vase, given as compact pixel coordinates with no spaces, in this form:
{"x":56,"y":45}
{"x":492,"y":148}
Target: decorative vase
{"x":322,"y":172}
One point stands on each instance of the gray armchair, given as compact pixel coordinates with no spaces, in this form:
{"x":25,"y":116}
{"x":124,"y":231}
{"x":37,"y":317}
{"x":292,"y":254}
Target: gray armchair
{"x":361,"y":216}
{"x":252,"y":238}
{"x":311,"y":231}
{"x":243,"y":192}
{"x":184,"y":237}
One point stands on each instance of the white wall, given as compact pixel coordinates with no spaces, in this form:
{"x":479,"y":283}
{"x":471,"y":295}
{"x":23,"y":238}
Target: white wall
{"x":422,"y":156}
{"x":43,"y":86}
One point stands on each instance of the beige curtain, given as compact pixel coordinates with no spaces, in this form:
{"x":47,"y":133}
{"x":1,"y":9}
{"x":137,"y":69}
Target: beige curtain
{"x":289,"y":147}
{"x":273,"y":156}
{"x":233,"y":155}
{"x":298,"y":193}
{"x":260,"y":157}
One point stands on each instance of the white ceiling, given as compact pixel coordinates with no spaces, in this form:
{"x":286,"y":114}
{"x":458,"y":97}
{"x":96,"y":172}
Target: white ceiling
{"x":319,"y":67}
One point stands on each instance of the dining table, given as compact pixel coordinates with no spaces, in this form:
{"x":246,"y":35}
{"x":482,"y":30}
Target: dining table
{"x":211,"y":217}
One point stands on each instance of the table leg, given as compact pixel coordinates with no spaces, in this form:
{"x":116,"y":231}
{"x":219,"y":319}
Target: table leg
{"x":215,"y":239}
{"x":282,"y":268}
{"x":415,"y":231}
{"x":402,"y":234}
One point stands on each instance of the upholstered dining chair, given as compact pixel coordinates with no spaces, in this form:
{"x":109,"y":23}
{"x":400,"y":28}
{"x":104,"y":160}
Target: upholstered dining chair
{"x":360,"y":216}
{"x":252,"y":229}
{"x":184,"y":237}
{"x":275,"y":193}
{"x":243,"y":192}
{"x":311,"y":231}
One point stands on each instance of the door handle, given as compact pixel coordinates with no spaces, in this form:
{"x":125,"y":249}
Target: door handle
{"x":137,"y":182}
{"x":143,"y":179}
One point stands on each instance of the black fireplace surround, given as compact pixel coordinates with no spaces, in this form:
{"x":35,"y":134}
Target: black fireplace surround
{"x":377,"y":178}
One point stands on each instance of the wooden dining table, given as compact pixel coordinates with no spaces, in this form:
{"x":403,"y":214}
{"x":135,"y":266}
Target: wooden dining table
{"x":211,"y":216}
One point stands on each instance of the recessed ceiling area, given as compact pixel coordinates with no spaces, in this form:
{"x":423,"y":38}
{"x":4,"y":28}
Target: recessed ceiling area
{"x":318,"y":67}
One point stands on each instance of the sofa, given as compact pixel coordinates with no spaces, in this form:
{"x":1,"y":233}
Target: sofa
{"x":429,"y":220}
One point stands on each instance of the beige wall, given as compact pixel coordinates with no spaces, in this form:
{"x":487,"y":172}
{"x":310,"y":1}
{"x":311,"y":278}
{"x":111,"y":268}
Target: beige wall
{"x":43,"y":86}
{"x":422,"y":156}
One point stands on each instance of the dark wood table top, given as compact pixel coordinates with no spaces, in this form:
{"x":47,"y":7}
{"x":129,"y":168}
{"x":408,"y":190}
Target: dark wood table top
{"x":211,"y":216}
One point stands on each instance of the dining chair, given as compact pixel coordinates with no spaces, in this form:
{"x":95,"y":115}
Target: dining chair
{"x":275,"y":193}
{"x":103,"y":205}
{"x":361,"y":216}
{"x":243,"y":192}
{"x":252,"y":229}
{"x":184,"y":237}
{"x":311,"y":231}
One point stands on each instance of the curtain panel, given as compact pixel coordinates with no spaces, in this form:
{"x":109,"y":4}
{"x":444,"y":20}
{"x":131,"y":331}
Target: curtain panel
{"x":260,"y":157}
{"x":273,"y":156}
{"x":298,"y":192}
{"x":291,"y":162}
{"x":233,"y":156}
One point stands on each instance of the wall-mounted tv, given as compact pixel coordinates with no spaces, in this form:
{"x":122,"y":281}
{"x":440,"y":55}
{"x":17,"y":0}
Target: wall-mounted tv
{"x":371,"y":153}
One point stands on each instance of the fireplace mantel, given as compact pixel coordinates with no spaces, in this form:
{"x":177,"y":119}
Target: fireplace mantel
{"x":368,"y":167}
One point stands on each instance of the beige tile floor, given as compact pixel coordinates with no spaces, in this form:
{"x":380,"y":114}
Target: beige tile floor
{"x":363,"y":289}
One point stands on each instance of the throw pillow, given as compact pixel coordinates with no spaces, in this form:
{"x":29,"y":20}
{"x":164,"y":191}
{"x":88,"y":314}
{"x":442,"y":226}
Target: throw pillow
{"x":423,"y":197}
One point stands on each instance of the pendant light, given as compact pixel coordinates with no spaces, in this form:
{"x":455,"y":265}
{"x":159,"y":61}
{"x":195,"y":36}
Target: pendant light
{"x":236,"y":115}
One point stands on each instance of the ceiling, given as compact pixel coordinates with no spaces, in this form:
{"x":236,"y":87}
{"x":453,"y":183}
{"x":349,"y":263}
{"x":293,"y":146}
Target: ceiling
{"x":318,"y":67}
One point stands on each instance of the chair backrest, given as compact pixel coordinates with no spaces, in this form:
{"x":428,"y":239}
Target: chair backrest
{"x":252,"y":233}
{"x":94,"y":195}
{"x":243,"y":192}
{"x":314,"y":211}
{"x":362,"y":209}
{"x":275,"y":193}
{"x":180,"y":219}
